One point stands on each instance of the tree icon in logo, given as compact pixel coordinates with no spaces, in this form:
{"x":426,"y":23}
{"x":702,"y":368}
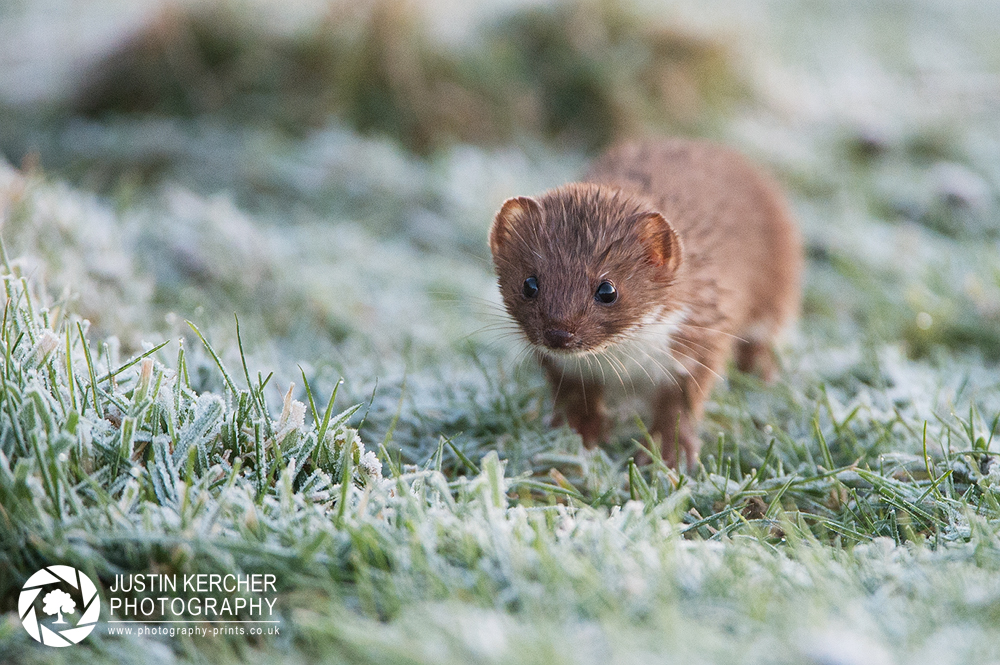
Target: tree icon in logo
{"x":66,"y":588}
{"x":57,"y":602}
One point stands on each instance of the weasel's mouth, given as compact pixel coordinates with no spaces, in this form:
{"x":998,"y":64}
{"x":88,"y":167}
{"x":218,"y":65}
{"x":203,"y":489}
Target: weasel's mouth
{"x":558,"y":351}
{"x":577,"y":349}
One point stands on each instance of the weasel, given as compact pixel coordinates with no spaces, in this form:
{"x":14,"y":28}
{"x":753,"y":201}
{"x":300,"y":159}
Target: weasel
{"x":669,"y":257}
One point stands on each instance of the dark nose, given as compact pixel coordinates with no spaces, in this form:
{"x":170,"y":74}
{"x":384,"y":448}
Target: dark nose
{"x":558,"y":339}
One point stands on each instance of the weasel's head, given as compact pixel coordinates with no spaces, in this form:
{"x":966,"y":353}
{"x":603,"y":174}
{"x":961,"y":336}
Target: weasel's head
{"x":583,"y":266}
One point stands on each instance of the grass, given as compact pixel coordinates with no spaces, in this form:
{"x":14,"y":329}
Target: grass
{"x":124,"y":467}
{"x":847,"y":514}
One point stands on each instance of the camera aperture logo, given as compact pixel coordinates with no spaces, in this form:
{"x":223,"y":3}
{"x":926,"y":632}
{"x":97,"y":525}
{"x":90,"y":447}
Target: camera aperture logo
{"x":50,"y":598}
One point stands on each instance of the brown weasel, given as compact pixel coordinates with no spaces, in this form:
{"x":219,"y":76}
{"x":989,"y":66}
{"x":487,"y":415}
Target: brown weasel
{"x":670,"y":255}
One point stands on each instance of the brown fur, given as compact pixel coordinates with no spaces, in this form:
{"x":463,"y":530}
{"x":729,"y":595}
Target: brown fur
{"x":688,"y":233}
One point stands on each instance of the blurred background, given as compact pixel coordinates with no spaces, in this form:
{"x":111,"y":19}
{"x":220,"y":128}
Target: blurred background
{"x":328,"y":170}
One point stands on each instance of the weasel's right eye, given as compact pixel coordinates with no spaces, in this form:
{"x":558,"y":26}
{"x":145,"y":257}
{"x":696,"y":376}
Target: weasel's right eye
{"x":530,"y":288}
{"x":606,"y":293}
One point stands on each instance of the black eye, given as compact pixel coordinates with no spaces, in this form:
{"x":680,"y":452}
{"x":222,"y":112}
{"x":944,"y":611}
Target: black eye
{"x":530,"y":288}
{"x":606,"y":293}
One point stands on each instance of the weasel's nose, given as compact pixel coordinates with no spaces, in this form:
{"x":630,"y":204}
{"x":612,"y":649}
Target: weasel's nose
{"x":558,"y":339}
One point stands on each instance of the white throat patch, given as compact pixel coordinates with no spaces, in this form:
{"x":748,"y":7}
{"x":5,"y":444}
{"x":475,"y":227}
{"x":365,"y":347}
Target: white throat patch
{"x":639,"y":359}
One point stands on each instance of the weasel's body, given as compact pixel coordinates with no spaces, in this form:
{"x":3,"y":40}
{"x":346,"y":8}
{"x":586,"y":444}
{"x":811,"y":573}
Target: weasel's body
{"x":667,"y":258}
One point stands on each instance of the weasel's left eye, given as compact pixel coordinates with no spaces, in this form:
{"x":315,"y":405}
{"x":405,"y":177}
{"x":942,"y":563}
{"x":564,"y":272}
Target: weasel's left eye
{"x":530,"y":288}
{"x":606,"y":293}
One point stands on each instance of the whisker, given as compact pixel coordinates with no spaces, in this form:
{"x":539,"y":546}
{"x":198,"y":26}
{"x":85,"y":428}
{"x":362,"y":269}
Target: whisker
{"x":696,"y":383}
{"x":647,"y":352}
{"x":695,"y":360}
{"x":522,"y":355}
{"x":492,"y":304}
{"x":656,"y":362}
{"x":640,"y":366}
{"x":631,"y":375}
{"x":495,"y":334}
{"x":615,"y":370}
{"x":452,"y":297}
{"x":688,"y":343}
{"x":716,"y":330}
{"x":521,"y":359}
{"x":498,"y":343}
{"x":604,"y":379}
{"x":562,"y":375}
{"x":490,"y":327}
{"x":621,"y":364}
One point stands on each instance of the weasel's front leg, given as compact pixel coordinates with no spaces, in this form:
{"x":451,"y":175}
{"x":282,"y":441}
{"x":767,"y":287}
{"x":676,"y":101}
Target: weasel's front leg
{"x":680,"y":402}
{"x":674,"y":424}
{"x":578,"y":402}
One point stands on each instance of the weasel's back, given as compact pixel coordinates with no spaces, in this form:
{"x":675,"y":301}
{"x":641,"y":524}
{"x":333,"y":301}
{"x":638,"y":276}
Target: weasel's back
{"x":735,"y":227}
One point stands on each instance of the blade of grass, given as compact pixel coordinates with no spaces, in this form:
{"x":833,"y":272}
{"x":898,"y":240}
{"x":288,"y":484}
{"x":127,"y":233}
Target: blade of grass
{"x":825,"y":449}
{"x":90,"y":368}
{"x":137,"y":359}
{"x":465,"y":460}
{"x":215,"y":357}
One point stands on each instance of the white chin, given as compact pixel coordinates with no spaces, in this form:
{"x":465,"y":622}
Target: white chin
{"x":571,"y":353}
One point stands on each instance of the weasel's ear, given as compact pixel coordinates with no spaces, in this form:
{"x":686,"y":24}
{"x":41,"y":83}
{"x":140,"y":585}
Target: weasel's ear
{"x":661,"y":241}
{"x":511,"y":213}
